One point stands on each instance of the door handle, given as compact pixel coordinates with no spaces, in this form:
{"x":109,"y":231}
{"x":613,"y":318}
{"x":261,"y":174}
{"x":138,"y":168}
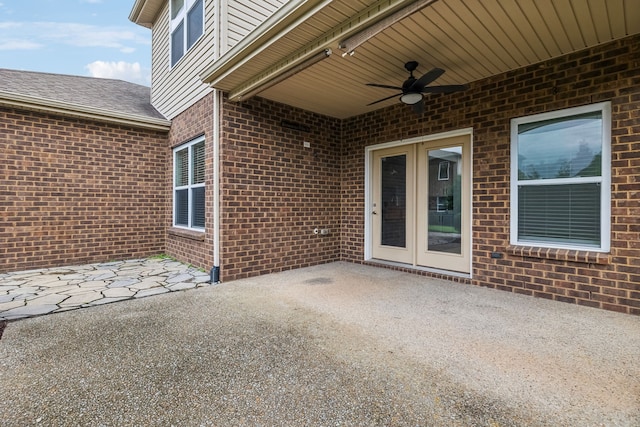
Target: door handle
{"x":374,"y":212}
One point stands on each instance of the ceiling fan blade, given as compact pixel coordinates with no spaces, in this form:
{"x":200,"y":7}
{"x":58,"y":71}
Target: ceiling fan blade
{"x":427,"y":78}
{"x":384,"y":86}
{"x":418,"y":107}
{"x":384,"y":99}
{"x":445,"y":89}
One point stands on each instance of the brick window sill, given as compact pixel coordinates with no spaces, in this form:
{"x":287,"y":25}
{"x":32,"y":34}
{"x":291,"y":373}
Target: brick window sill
{"x":187,"y":234}
{"x":587,"y":257}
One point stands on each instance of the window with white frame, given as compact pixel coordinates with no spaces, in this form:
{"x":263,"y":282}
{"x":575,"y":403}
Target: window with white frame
{"x":187,"y":25}
{"x":188,"y":185}
{"x":560,"y":178}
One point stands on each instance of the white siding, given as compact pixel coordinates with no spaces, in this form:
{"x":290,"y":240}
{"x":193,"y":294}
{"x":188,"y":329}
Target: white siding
{"x":245,"y":15}
{"x":175,"y":89}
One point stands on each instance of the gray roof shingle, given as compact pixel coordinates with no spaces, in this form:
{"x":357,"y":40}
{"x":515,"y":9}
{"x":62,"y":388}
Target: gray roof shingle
{"x":117,"y":96}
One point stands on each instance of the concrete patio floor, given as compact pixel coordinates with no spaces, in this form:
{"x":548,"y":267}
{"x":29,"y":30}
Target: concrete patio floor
{"x":53,"y":290}
{"x":337,"y":344}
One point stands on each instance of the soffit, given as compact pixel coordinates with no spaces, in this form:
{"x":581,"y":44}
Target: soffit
{"x":471,"y":40}
{"x":144,"y":12}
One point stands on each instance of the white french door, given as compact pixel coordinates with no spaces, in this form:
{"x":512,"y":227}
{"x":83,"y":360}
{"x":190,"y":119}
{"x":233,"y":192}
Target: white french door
{"x":420,"y":211}
{"x":393,"y":204}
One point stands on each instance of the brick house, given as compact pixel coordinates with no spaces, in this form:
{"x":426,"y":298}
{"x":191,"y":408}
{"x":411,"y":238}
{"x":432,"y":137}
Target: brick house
{"x":79,"y":171}
{"x":278,"y":156}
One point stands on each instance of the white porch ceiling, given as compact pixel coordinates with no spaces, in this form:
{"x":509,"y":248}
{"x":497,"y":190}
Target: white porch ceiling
{"x":470,"y":39}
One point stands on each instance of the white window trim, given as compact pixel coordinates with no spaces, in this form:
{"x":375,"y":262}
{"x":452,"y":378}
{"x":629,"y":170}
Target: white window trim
{"x":604,"y":180}
{"x":188,"y":187}
{"x":181,"y":17}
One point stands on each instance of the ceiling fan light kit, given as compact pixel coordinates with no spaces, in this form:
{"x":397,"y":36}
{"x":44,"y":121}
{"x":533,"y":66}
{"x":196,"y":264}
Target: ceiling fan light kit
{"x":411,"y":98}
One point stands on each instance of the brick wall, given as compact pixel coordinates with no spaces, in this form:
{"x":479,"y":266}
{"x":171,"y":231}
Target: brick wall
{"x":607,"y":72}
{"x":185,"y":245}
{"x":275,"y":191}
{"x":74,"y":191}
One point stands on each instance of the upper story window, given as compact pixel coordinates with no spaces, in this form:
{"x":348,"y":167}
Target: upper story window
{"x":187,"y":25}
{"x":188,"y":185}
{"x":560,"y":179}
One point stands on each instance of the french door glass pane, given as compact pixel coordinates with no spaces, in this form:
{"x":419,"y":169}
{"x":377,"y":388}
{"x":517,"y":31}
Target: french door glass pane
{"x":560,"y":213}
{"x":444,"y":199}
{"x":394,"y":201}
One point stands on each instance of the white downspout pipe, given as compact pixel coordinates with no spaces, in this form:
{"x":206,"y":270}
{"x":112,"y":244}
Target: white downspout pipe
{"x":215,"y":271}
{"x":217,"y":109}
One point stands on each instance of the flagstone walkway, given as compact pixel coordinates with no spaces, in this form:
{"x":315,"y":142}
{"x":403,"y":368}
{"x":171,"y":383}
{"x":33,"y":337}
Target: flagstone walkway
{"x":52,"y":290}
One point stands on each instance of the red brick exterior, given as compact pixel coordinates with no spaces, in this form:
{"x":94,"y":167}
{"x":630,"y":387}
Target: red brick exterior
{"x":604,"y":73}
{"x":75,"y":191}
{"x":275,"y":192}
{"x":185,"y":245}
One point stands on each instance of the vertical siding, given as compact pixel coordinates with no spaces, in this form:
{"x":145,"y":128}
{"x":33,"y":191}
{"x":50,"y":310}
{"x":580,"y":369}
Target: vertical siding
{"x":173,"y":90}
{"x":245,"y":15}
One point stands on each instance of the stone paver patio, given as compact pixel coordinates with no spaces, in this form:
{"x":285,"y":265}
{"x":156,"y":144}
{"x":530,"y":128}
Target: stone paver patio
{"x":52,"y":290}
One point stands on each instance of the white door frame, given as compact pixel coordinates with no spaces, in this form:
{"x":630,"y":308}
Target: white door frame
{"x":368,"y":170}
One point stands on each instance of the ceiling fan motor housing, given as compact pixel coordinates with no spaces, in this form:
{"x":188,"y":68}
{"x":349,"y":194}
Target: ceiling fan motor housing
{"x":411,"y":66}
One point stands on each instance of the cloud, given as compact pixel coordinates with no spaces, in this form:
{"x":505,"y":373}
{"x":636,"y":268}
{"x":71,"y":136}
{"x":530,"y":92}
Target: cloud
{"x":9,"y":25}
{"x":129,"y":71}
{"x":73,"y":34}
{"x":19,"y":45}
{"x":83,"y":35}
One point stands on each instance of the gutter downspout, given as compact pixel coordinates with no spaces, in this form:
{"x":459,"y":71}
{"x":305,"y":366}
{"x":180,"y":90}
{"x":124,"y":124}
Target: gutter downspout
{"x":215,"y":270}
{"x":214,"y":274}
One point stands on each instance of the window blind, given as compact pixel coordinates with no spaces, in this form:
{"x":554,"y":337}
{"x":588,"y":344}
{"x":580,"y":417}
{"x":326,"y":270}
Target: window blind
{"x":560,"y":213}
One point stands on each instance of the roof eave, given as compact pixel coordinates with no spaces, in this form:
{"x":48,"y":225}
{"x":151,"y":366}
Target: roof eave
{"x":74,"y":110}
{"x":278,"y":24}
{"x":144,"y":12}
